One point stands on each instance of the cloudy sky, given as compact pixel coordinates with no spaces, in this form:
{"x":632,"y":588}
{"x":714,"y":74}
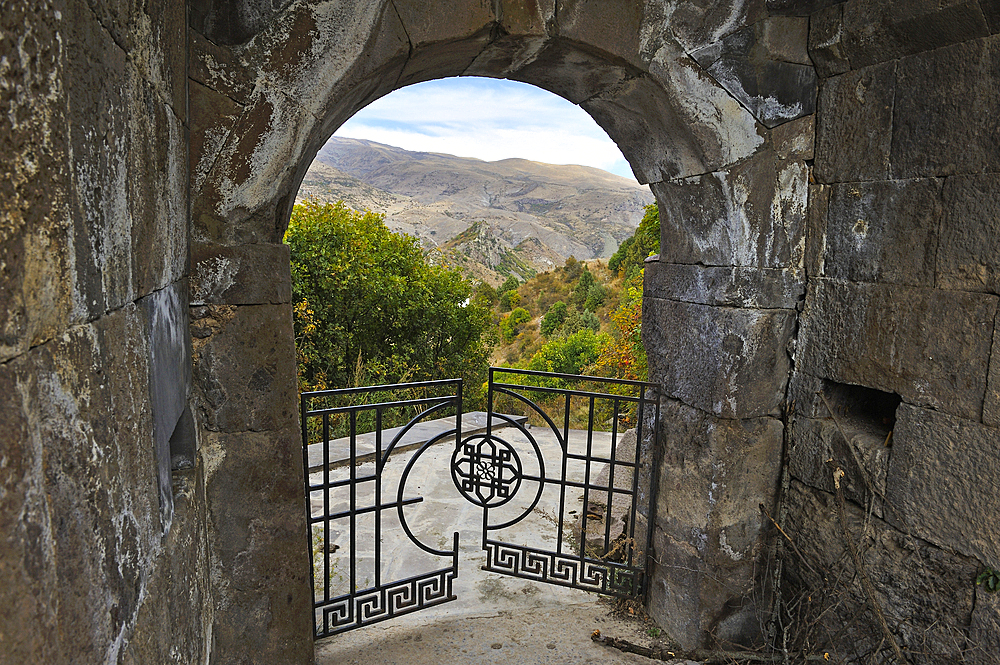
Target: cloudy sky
{"x":488,"y":119}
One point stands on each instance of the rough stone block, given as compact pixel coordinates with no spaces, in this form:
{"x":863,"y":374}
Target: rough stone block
{"x":931,"y":347}
{"x":925,"y":592}
{"x":785,"y":39}
{"x":527,"y":17}
{"x":213,"y":116}
{"x":709,"y":122}
{"x":752,"y":214}
{"x":854,"y":134}
{"x":815,"y":252}
{"x":174,"y":621}
{"x":795,"y":139}
{"x":945,"y":120}
{"x":864,"y":458}
{"x":241,"y":275}
{"x":991,"y":405}
{"x":826,"y":41}
{"x":166,"y":314}
{"x":984,"y":633}
{"x":610,"y":27}
{"x":942,"y":483}
{"x":754,"y":288}
{"x":876,"y":31}
{"x":244,"y":366}
{"x":884,"y":232}
{"x":699,"y":23}
{"x":261,"y":573}
{"x":426,"y":23}
{"x":157,"y":196}
{"x":730,"y":362}
{"x":81,"y":447}
{"x":798,"y":7}
{"x":714,"y":475}
{"x":968,"y":257}
{"x":991,"y":10}
{"x":557,"y":66}
{"x":774,"y":89}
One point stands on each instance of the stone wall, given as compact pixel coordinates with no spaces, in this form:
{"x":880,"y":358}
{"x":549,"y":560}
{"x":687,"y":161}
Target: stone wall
{"x":104,"y":554}
{"x":881,"y":300}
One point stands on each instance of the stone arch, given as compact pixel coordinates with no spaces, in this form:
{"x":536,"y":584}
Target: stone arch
{"x":677,"y":93}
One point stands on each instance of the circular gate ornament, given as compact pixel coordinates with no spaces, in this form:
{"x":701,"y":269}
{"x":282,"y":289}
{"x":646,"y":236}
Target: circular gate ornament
{"x":486,"y":470}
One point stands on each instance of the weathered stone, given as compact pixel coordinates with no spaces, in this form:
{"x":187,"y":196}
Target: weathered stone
{"x":798,"y":7}
{"x":174,"y":622}
{"x":244,"y":365}
{"x":257,"y":546}
{"x":444,"y":59}
{"x":795,"y":139}
{"x":938,"y":129}
{"x":714,"y":475}
{"x":804,"y":395}
{"x":235,"y":21}
{"x":854,"y":133}
{"x":931,"y":347}
{"x":937,"y":491}
{"x":240,"y":275}
{"x":753,"y":288}
{"x":968,"y":257}
{"x":991,"y":10}
{"x":984,"y":633}
{"x":884,"y":232}
{"x":627,"y":114}
{"x":698,"y":23}
{"x":213,"y":116}
{"x":531,"y":17}
{"x":555,"y":66}
{"x":722,"y":131}
{"x":730,"y":362}
{"x":876,"y":31}
{"x":443,"y":21}
{"x":166,"y":314}
{"x":814,"y":441}
{"x":991,"y":405}
{"x":785,"y":39}
{"x":826,"y":41}
{"x":217,"y":68}
{"x":750,"y":215}
{"x":609,"y":27}
{"x":773,"y":89}
{"x":815,"y":252}
{"x":924,"y":592}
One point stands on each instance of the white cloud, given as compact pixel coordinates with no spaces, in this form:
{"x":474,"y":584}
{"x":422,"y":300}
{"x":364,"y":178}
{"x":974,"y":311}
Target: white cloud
{"x":488,"y":119}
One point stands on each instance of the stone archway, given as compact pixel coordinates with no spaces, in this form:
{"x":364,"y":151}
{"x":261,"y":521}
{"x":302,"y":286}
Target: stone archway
{"x":732,"y":190}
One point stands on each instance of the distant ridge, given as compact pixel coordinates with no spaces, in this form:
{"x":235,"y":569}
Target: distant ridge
{"x":560,"y":210}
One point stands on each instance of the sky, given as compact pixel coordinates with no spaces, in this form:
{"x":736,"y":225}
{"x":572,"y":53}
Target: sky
{"x":489,"y":119}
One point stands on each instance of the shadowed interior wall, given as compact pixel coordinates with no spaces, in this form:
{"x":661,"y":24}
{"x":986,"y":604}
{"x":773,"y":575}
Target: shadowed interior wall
{"x":826,"y":176}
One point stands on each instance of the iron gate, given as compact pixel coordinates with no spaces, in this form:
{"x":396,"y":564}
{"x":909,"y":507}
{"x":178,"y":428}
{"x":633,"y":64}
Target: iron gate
{"x":560,"y":467}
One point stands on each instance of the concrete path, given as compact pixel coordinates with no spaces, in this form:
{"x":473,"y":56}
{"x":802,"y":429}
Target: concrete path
{"x":496,"y":618}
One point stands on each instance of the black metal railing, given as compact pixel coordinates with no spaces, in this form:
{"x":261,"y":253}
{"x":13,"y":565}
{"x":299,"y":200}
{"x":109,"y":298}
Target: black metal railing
{"x":353,"y":464}
{"x":591,"y":551}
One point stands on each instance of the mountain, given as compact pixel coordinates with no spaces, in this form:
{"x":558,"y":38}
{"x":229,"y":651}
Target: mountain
{"x":512,"y":216}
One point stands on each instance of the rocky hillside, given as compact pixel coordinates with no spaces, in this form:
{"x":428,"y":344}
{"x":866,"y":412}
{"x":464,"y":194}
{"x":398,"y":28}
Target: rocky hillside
{"x":513,"y":216}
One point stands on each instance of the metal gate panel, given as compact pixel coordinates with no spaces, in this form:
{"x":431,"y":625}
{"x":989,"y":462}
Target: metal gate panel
{"x":339,"y":458}
{"x":589,"y":552}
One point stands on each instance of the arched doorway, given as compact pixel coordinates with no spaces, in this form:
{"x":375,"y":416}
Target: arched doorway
{"x":733,"y":192}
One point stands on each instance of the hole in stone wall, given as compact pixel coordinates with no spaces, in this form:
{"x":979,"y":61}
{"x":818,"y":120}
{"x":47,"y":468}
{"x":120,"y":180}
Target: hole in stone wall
{"x":182,"y":442}
{"x":863,"y":411}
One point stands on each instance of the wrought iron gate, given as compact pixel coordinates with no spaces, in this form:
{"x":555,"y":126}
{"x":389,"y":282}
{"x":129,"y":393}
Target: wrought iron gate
{"x":561,"y":469}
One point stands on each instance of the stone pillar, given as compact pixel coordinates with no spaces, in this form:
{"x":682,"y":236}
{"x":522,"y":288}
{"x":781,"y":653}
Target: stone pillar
{"x":719,"y":317}
{"x":244,"y":374}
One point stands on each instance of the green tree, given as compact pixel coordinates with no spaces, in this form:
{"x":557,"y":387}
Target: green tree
{"x":513,"y":323}
{"x":366,"y":297}
{"x":569,"y":355}
{"x":553,"y":318}
{"x":645,"y":241}
{"x":578,"y":320}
